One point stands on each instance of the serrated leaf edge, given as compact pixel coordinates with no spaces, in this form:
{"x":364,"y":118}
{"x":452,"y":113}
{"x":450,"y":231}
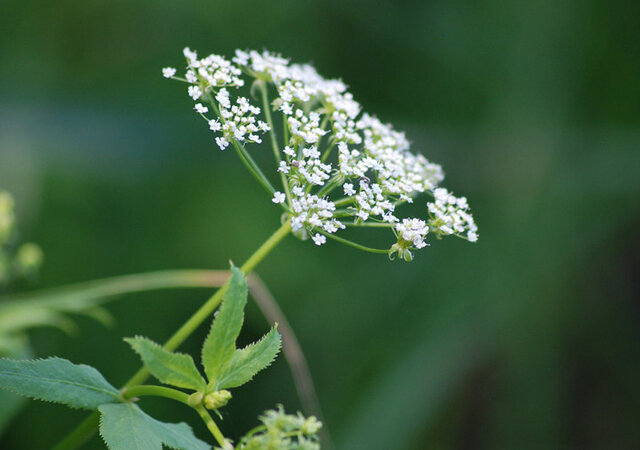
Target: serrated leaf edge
{"x":137,"y":336}
{"x":241,"y":277}
{"x":253,"y":344}
{"x":115,"y":393}
{"x":147,"y":417}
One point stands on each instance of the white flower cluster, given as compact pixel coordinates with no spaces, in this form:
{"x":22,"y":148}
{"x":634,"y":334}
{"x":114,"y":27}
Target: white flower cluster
{"x":305,"y":129}
{"x":310,"y":212}
{"x":214,"y":71}
{"x":413,"y":231}
{"x":339,"y":167}
{"x":450,"y":215}
{"x":209,"y":79}
{"x":238,"y":120}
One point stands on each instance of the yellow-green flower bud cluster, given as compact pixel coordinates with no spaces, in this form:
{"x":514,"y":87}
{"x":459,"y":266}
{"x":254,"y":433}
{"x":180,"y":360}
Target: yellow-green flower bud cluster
{"x":281,"y":431}
{"x":16,"y":261}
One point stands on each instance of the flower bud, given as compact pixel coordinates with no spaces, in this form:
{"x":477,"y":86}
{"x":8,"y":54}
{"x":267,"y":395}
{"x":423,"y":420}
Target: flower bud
{"x":311,"y":425}
{"x":28,"y":258}
{"x":6,"y":216}
{"x":402,"y":249}
{"x":216,"y":399}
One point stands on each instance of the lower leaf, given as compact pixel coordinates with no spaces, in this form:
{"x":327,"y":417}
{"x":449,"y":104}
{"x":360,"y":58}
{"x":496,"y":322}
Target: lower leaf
{"x":125,"y":426}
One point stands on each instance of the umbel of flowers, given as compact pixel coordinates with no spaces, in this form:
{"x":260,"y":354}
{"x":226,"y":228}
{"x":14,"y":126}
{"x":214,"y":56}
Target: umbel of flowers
{"x":338,"y":166}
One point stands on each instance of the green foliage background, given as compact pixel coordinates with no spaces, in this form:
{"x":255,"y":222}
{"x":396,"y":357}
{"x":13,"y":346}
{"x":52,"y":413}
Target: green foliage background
{"x":528,"y":339}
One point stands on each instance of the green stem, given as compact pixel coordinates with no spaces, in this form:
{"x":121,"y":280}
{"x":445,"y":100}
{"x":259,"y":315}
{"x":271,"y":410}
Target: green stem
{"x":344,"y":201}
{"x":323,"y":124}
{"x":267,"y":113}
{"x":369,"y":224}
{"x":210,"y":305}
{"x":88,"y":426}
{"x":244,"y":156}
{"x":156,"y":391}
{"x":211,"y":425}
{"x":251,"y":165}
{"x":328,"y":187}
{"x":355,"y":244}
{"x":327,"y":152}
{"x":330,"y":145}
{"x":285,"y":130}
{"x":81,"y":434}
{"x":342,"y":213}
{"x":274,"y":139}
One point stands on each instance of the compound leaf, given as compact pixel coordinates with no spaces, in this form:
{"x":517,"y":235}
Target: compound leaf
{"x":220,"y":344}
{"x":250,"y":360}
{"x":57,"y":380}
{"x":175,"y":369}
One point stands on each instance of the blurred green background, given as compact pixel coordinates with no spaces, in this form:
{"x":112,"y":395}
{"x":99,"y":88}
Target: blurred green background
{"x":529,"y":339}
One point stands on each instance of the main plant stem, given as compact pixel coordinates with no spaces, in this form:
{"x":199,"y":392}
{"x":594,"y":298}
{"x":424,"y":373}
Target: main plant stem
{"x":86,"y":429}
{"x":211,"y":425}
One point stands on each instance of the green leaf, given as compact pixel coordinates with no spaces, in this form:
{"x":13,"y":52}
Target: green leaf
{"x":178,"y":436}
{"x":10,"y":404}
{"x":57,"y":380}
{"x":125,"y":426}
{"x":220,"y":345}
{"x":175,"y":369}
{"x":251,"y":360}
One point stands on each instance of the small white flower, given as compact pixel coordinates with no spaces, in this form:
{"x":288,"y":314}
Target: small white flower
{"x":278,"y":197}
{"x":362,"y":215}
{"x":241,"y":57}
{"x":286,"y":108}
{"x":200,"y":108}
{"x":284,"y":168}
{"x":168,"y":72}
{"x":191,"y":76}
{"x":214,"y":125}
{"x":222,"y":143}
{"x":311,"y":152}
{"x":348,"y":189}
{"x":189,"y":54}
{"x":223,"y":98}
{"x":194,"y":92}
{"x":319,"y":239}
